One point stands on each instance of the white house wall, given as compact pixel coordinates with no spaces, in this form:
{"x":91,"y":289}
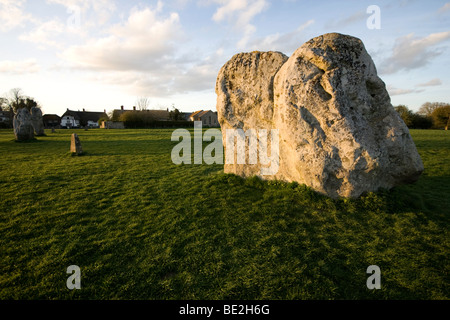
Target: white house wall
{"x":68,"y":120}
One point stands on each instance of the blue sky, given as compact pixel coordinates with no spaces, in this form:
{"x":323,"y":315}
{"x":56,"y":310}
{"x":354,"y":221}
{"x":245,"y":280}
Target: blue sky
{"x":101,"y":54}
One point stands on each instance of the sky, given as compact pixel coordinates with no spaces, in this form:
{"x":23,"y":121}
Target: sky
{"x":101,"y":54}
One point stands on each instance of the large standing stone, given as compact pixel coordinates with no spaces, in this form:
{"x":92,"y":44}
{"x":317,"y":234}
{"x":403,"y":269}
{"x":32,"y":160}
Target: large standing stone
{"x":338,"y":131}
{"x":245,"y":97}
{"x":341,"y":135}
{"x":23,"y":129}
{"x":75,"y":145}
{"x":37,"y":121}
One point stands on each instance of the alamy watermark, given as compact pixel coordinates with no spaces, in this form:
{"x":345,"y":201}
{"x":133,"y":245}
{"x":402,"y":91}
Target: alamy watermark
{"x":74,"y":20}
{"x":374,"y":20}
{"x":242,"y":147}
{"x":374,"y":281}
{"x":74,"y":281}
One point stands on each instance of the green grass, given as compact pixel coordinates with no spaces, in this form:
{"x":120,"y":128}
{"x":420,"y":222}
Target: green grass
{"x":140,"y":227}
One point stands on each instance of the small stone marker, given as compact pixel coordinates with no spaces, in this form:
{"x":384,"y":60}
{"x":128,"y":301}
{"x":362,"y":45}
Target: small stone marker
{"x":75,"y":145}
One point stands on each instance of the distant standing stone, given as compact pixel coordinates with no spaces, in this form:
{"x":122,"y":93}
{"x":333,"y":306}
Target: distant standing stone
{"x":23,"y":129}
{"x":37,"y":121}
{"x":75,"y":145}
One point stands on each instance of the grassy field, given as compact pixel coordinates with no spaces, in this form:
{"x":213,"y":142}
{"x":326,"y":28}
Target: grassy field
{"x":140,"y":227}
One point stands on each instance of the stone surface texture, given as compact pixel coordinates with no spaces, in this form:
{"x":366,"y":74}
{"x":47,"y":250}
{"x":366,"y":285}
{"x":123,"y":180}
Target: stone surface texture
{"x":338,"y":130}
{"x":244,"y":90}
{"x":23,"y":128}
{"x":37,"y":121}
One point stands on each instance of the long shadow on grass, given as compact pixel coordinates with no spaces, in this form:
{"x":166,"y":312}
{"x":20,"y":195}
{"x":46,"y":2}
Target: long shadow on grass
{"x":289,"y":242}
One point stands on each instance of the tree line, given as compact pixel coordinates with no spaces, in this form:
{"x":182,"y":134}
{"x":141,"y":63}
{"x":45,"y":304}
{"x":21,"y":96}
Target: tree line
{"x":15,"y":99}
{"x":146,"y":119}
{"x":431,"y":115}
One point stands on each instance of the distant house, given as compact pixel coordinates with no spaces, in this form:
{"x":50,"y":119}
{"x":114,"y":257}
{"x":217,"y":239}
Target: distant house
{"x":157,"y":115}
{"x":51,"y":120}
{"x":112,"y":125}
{"x":118,"y":112}
{"x":79,"y":119}
{"x":208,"y":118}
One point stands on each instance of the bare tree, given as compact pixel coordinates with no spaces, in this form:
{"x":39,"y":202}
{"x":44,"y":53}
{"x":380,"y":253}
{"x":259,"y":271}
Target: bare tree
{"x":15,"y":96}
{"x":143,"y":103}
{"x":15,"y":99}
{"x":428,"y":107}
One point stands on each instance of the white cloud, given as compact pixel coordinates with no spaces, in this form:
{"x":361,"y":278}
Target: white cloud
{"x":285,"y":42}
{"x":19,"y":67}
{"x":87,"y":13}
{"x":176,"y":76}
{"x":43,"y":35}
{"x":411,"y":52}
{"x":135,"y":83}
{"x":12,"y":15}
{"x":359,"y":16}
{"x":143,"y":42}
{"x":228,"y":8}
{"x":81,"y":16}
{"x":145,"y":56}
{"x":393,"y":91}
{"x":204,"y":70}
{"x":431,"y":83}
{"x":240,"y":13}
{"x":105,"y":6}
